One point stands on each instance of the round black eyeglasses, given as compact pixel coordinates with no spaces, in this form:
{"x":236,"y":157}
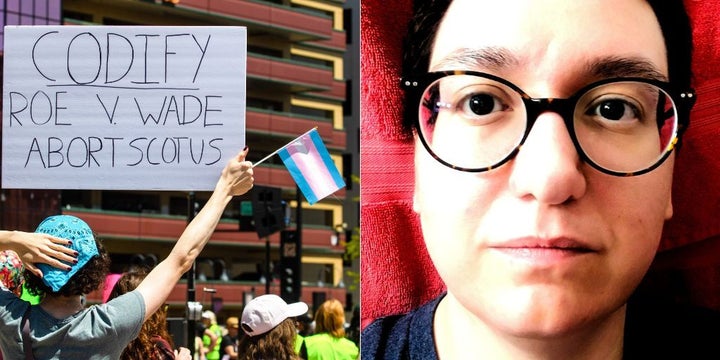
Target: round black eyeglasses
{"x":473,"y":121}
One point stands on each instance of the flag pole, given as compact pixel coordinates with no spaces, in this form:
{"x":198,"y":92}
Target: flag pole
{"x":284,"y":146}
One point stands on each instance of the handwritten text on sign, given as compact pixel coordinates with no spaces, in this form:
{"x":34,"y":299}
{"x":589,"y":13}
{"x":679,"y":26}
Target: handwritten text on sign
{"x":110,"y":107}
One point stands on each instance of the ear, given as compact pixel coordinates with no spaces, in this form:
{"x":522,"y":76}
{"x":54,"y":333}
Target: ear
{"x":669,"y":208}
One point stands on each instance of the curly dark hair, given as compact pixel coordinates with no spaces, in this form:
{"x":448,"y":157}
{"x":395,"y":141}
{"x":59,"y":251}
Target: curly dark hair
{"x":427,"y":15}
{"x":144,"y":345}
{"x":277,"y":343}
{"x":86,"y":280}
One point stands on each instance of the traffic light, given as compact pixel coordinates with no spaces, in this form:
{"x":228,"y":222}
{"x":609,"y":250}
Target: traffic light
{"x":290,"y":266}
{"x":347,"y":170}
{"x":266,"y":213}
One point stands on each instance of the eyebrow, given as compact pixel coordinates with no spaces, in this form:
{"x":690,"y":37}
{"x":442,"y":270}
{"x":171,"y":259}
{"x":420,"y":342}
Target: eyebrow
{"x":615,"y":66}
{"x":495,"y":59}
{"x":490,"y":58}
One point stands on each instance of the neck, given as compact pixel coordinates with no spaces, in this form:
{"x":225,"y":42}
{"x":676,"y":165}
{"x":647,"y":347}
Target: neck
{"x":60,"y":307}
{"x":457,"y":332}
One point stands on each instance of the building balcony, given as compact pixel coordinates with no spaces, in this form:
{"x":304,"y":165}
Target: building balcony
{"x":289,"y":126}
{"x":167,"y":229}
{"x":262,"y":19}
{"x":232,"y":293}
{"x":269,"y":74}
{"x":265,"y":22}
{"x":266,"y":19}
{"x":122,"y":234}
{"x":337,"y":42}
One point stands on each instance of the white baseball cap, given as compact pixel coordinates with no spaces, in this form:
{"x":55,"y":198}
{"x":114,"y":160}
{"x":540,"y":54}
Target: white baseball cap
{"x":265,"y":312}
{"x":207,"y":314}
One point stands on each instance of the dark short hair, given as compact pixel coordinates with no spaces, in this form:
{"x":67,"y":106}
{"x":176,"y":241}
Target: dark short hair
{"x":86,"y":280}
{"x":427,"y":15}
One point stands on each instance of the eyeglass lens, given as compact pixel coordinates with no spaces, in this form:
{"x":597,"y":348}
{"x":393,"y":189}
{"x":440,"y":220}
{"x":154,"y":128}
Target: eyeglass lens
{"x":474,"y":122}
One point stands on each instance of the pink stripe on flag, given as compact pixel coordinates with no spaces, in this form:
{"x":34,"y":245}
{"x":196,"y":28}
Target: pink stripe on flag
{"x":309,"y":161}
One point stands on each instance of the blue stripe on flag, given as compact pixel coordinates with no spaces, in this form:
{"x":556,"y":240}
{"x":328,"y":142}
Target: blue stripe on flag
{"x":329,"y":164}
{"x":298,"y":176}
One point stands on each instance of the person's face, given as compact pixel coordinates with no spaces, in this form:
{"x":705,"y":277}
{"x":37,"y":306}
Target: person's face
{"x":233,"y":331}
{"x":543,"y":244}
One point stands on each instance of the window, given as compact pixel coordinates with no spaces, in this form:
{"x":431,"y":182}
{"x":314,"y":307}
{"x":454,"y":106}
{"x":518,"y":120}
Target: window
{"x":131,"y":201}
{"x":38,"y":12}
{"x":76,"y":199}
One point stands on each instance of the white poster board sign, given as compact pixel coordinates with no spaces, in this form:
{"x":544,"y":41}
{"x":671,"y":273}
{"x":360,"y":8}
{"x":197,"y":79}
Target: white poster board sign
{"x":121,"y":107}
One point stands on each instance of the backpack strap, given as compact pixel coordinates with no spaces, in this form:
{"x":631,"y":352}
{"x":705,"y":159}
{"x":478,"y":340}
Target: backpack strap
{"x":27,"y":343}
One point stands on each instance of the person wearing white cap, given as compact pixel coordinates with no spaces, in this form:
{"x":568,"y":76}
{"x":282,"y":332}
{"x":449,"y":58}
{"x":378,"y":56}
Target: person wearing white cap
{"x":212,"y":335}
{"x":267,"y":320}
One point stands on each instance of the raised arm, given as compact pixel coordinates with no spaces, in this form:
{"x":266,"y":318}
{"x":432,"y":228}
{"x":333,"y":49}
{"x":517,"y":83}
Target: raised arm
{"x":38,"y":248}
{"x":236,"y":179}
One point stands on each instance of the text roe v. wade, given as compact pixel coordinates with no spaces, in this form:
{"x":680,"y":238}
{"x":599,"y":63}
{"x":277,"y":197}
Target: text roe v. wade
{"x":127,"y":101}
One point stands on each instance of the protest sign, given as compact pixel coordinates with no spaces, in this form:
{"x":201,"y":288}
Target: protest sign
{"x":121,"y":107}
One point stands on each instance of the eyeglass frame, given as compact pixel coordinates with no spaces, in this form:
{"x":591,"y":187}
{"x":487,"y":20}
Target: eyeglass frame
{"x":565,"y":107}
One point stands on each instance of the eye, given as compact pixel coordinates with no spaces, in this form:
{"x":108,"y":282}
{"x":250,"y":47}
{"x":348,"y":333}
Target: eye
{"x":615,"y":110}
{"x":480,"y":104}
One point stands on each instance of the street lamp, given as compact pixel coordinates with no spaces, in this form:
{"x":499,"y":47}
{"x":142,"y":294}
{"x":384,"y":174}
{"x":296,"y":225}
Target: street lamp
{"x":212,"y":296}
{"x":339,"y":229}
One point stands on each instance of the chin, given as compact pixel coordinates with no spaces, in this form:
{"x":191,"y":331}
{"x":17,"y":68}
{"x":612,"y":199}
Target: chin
{"x":546,"y":316}
{"x":547,"y":328}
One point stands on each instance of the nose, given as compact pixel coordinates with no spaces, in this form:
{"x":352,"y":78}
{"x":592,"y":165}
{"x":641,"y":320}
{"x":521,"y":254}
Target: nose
{"x":548,"y":168}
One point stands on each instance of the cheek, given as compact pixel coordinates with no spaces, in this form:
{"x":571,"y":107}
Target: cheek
{"x":451,"y":205}
{"x":639,"y":231}
{"x":631,"y":256}
{"x":639,"y":205}
{"x":635,"y":210}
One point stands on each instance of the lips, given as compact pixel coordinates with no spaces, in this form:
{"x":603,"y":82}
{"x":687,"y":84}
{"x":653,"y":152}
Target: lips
{"x":542,"y":253}
{"x":557,"y":243}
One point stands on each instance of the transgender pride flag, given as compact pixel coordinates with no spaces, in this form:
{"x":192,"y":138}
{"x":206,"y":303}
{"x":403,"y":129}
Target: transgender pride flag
{"x":311,"y":167}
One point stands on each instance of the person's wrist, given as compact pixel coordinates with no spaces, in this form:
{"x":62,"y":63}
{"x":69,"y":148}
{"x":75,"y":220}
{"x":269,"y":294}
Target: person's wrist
{"x":6,"y":240}
{"x":223,"y":188}
{"x":11,"y":240}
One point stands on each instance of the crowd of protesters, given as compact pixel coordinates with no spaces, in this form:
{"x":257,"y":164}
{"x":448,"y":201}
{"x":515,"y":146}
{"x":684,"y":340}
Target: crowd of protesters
{"x":62,"y":261}
{"x":271,"y":328}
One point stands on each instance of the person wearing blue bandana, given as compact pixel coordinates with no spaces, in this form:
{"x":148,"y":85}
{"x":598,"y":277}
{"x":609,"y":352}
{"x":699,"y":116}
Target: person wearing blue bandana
{"x":64,"y":261}
{"x":82,"y":243}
